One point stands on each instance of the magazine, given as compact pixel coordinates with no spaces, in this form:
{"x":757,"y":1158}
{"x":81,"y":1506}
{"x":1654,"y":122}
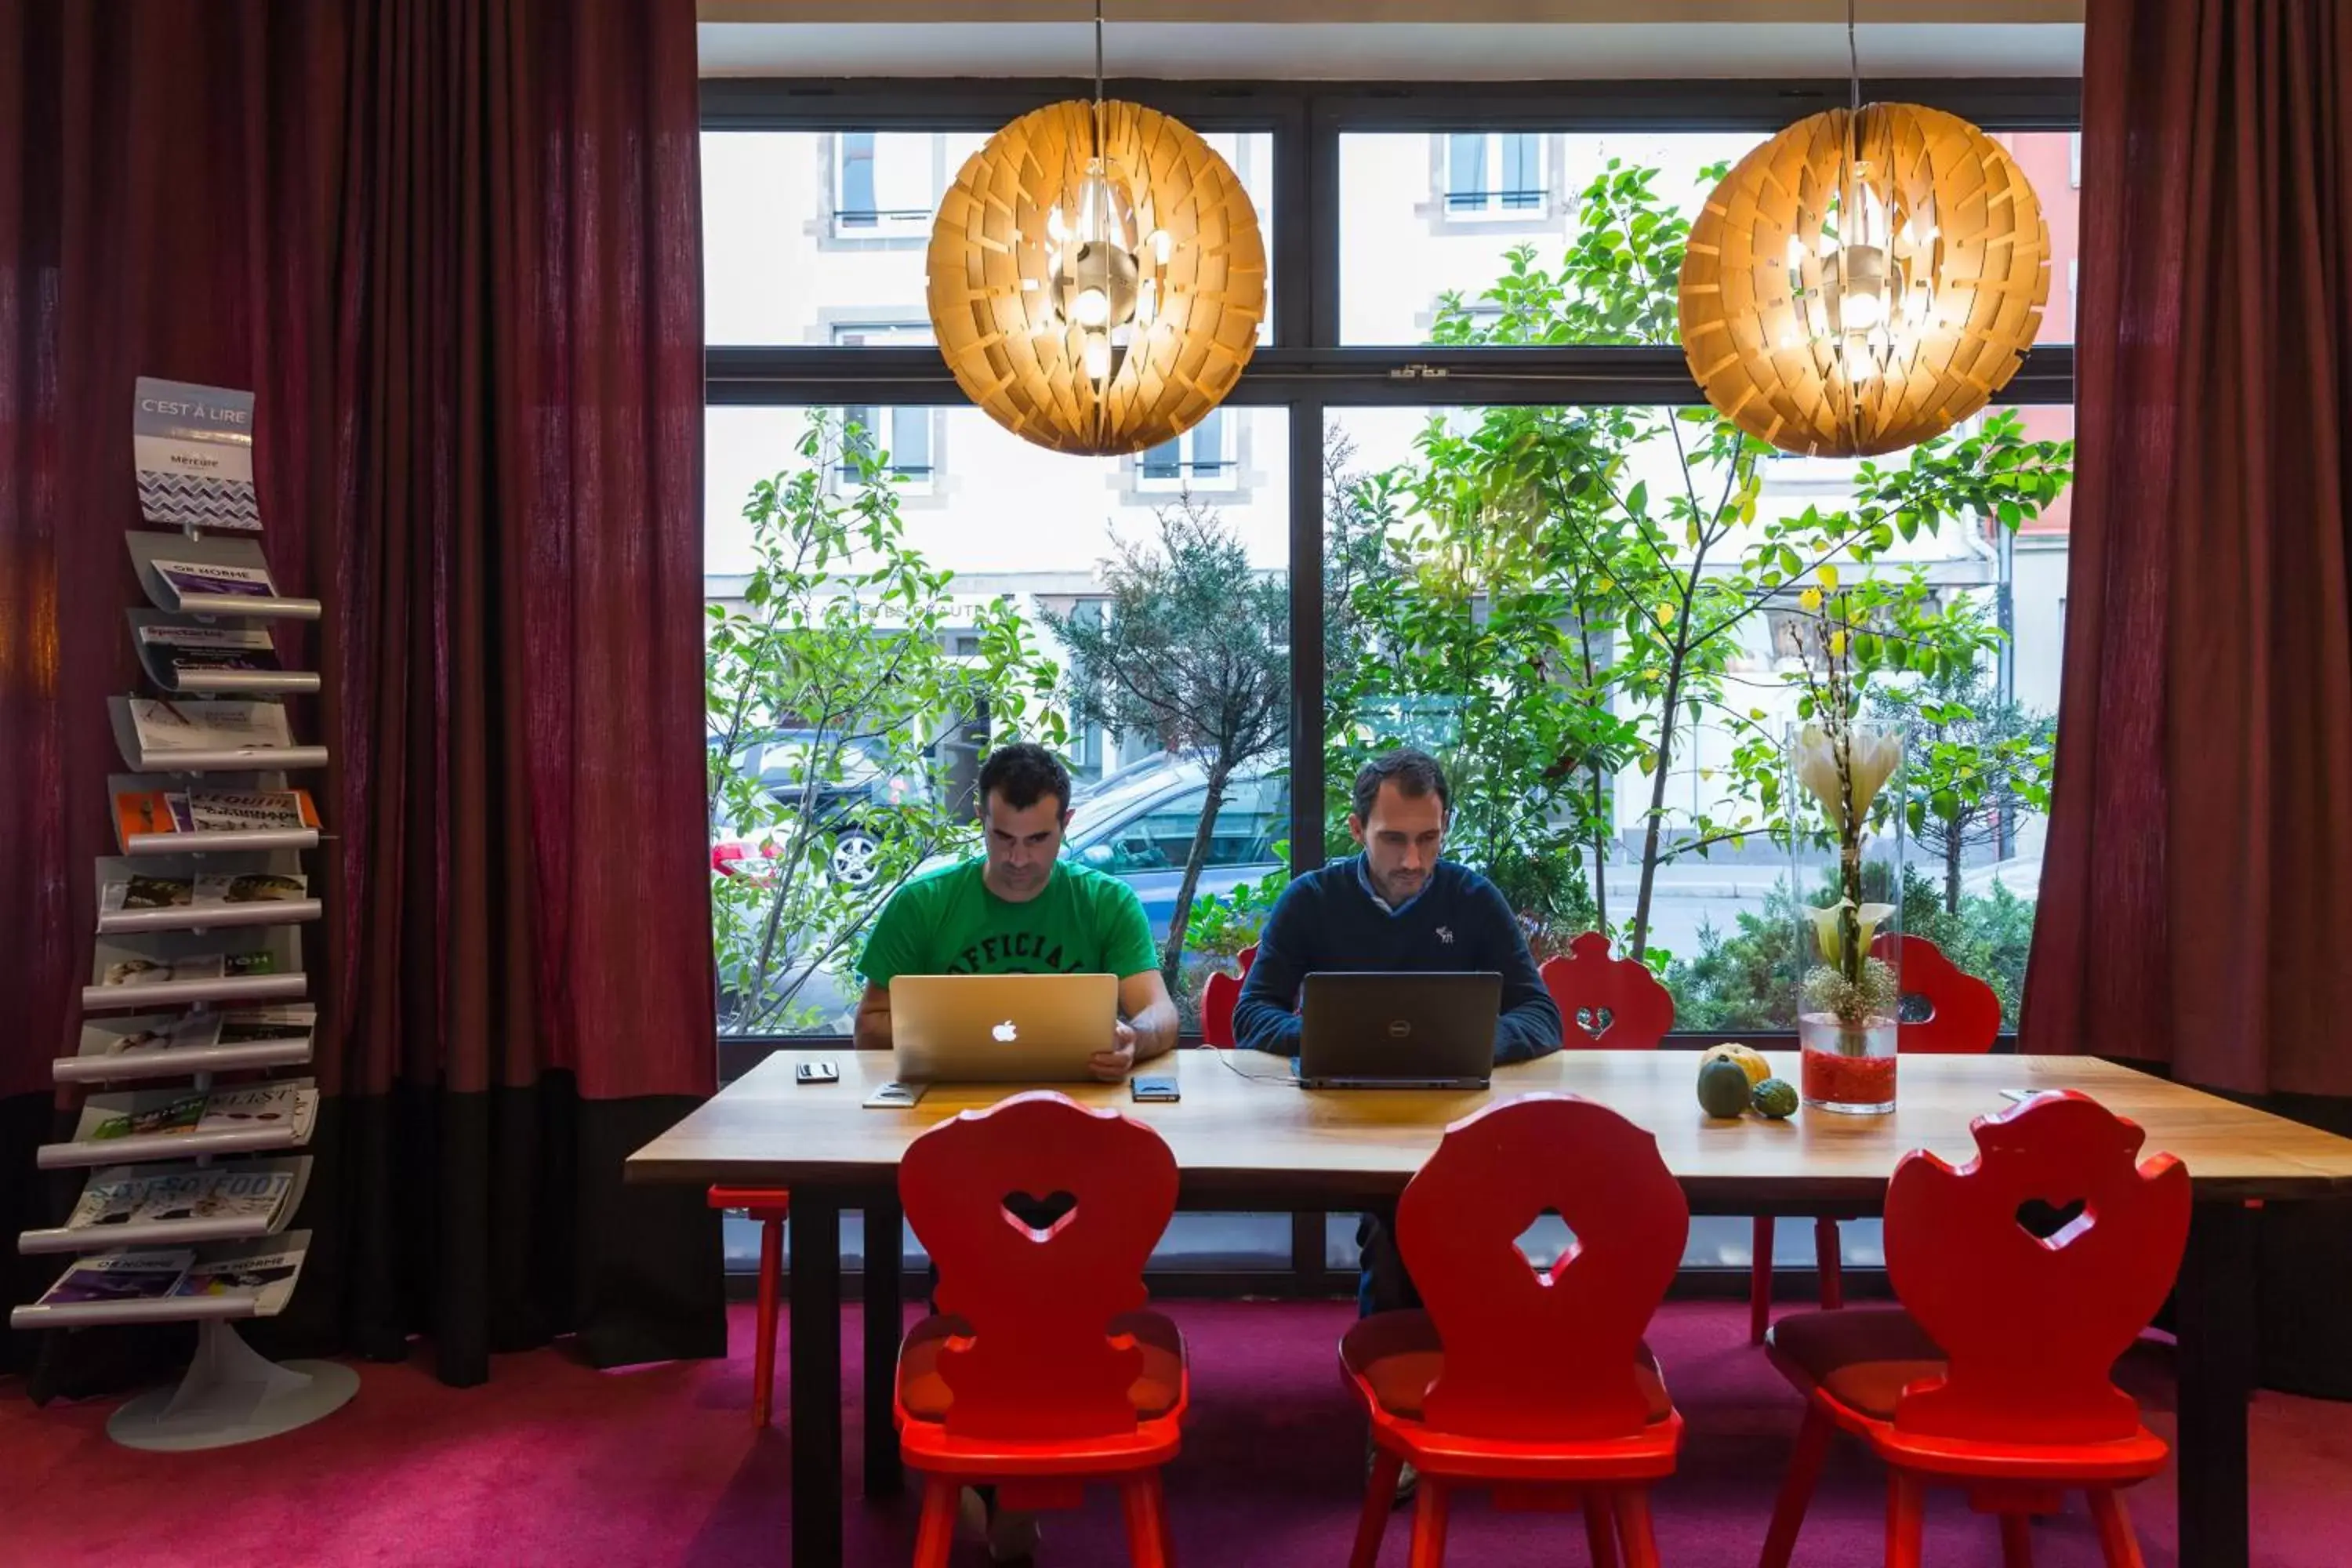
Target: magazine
{"x":142,"y":971}
{"x":150,"y":1113}
{"x":265,"y":1269}
{"x":209,"y":726}
{"x":143,"y":813}
{"x":185,"y":651}
{"x":201,"y":586}
{"x":146,"y":1274}
{"x":193,"y":448}
{"x":150,"y":1194}
{"x":259,"y":1025}
{"x":214,"y":891}
{"x":260,"y":1106}
{"x":151,"y":1033}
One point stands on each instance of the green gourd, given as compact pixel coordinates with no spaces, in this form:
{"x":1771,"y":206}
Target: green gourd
{"x":1723,"y":1089}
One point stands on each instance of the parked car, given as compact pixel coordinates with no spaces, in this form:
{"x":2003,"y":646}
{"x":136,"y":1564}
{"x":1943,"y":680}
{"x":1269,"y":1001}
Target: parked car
{"x":850,"y":808}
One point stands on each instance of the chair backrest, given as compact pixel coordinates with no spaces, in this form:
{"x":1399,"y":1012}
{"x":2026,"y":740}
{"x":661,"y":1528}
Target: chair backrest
{"x":1620,"y":992}
{"x":1543,"y":1355}
{"x":1218,"y":995}
{"x":1244,"y":958}
{"x":1035,"y":1357}
{"x":1963,"y":1012}
{"x":2033,"y":1323}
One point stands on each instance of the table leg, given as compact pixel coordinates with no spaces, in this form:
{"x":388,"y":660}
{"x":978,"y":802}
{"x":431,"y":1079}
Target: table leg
{"x":885,"y":1322}
{"x":817,"y":1378}
{"x":2216,"y":1324}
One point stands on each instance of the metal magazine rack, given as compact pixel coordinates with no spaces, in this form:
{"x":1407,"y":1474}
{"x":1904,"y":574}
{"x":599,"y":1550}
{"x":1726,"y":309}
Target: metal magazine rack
{"x":196,"y":967}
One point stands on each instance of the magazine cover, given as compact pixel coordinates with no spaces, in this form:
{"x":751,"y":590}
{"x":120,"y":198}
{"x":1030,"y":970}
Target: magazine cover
{"x":260,"y":1106}
{"x":161,"y":1194}
{"x":215,"y":811}
{"x":265,"y":1267}
{"x":150,"y":1032}
{"x":256,"y":1025}
{"x":133,"y":969}
{"x":154,"y":1112}
{"x":213,"y":725}
{"x":111,"y":1197}
{"x":144,"y":813}
{"x":193,"y":446}
{"x":205,"y":586}
{"x":148,"y":1274}
{"x":183,"y":651}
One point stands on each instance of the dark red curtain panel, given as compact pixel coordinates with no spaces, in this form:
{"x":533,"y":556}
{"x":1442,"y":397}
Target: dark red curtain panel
{"x":2196,"y":888}
{"x":455,"y":245}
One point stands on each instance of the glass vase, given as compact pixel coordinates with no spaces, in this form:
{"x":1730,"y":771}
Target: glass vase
{"x":1845,"y":792}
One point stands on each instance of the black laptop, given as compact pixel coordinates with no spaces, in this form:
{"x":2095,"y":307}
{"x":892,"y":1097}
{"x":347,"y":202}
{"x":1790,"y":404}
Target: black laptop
{"x":1398,"y":1031}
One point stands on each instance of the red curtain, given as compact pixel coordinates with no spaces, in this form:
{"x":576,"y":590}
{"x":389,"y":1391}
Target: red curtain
{"x":454,"y":247}
{"x":2197,"y":886}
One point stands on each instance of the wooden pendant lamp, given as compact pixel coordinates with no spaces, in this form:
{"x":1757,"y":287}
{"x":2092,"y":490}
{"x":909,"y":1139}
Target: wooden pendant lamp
{"x":1097,"y":276}
{"x":1865,"y":280}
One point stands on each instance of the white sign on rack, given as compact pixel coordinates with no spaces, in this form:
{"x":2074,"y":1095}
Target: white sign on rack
{"x":194,"y":448}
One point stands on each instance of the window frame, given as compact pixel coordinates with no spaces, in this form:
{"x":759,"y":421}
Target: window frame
{"x":1303,"y":367}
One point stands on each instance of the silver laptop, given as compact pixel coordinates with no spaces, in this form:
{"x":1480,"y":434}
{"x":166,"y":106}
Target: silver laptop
{"x":1399,"y":1031}
{"x":999,"y":1028}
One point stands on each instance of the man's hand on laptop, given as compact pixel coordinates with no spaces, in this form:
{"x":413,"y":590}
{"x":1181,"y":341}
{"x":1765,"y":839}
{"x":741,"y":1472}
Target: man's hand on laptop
{"x":1113,"y":1065}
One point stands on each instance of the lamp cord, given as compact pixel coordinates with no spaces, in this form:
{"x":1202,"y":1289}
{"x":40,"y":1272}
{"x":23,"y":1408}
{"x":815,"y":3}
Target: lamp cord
{"x":1853,"y":59}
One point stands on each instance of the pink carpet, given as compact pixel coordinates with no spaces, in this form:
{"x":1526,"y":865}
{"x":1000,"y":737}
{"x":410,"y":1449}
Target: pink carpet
{"x":553,"y":1463}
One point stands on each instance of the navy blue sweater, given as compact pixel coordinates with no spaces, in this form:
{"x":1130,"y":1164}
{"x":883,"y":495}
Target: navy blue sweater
{"x":1329,"y":919}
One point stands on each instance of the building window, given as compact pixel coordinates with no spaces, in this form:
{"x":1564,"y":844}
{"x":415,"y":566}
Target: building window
{"x":886,"y":183}
{"x":1201,"y":459}
{"x":2075,"y":160}
{"x":900,"y":438}
{"x":1494,"y":172}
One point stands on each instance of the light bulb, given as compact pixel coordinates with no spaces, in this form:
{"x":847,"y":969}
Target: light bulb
{"x":1091,"y":308}
{"x":1861,"y":310}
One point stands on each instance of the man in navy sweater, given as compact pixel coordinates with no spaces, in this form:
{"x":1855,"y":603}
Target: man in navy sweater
{"x":1395,"y":907}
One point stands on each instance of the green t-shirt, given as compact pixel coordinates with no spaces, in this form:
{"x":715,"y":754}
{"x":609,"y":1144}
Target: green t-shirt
{"x":948,"y":922}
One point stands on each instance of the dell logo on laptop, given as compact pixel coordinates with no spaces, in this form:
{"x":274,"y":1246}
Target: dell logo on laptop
{"x":1005,"y":1032}
{"x":1399,"y":1028}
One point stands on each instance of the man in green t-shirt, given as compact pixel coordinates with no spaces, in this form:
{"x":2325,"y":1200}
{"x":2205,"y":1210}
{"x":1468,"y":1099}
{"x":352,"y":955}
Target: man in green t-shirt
{"x":1021,"y":908}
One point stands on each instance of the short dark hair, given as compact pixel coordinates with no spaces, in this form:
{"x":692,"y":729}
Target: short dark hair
{"x":1415,"y":774}
{"x":1023,"y":773}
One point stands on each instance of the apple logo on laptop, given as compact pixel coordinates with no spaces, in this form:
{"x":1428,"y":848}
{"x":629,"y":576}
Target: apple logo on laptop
{"x":1005,"y":1033}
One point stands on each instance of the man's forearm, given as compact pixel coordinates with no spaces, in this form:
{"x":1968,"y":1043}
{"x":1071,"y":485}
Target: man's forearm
{"x":1155,"y":1030}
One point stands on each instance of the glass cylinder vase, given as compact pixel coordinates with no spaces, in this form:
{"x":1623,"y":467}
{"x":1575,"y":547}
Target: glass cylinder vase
{"x":1847,"y":840}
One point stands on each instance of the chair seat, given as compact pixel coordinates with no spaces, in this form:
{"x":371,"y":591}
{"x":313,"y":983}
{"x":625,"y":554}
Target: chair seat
{"x":1398,"y":1358}
{"x":1157,"y":1389}
{"x":1861,"y":1357}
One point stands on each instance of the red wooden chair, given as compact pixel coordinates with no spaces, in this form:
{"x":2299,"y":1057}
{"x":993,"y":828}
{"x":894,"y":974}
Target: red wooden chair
{"x":771,"y":1207}
{"x":1585,"y":981}
{"x":1963,"y":1019}
{"x":1533,"y":1383}
{"x":1218,"y":995}
{"x":1996,"y":1372}
{"x":1041,"y":1371}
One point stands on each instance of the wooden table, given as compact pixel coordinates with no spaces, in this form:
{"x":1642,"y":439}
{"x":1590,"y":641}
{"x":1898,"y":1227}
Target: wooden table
{"x":1257,"y":1141}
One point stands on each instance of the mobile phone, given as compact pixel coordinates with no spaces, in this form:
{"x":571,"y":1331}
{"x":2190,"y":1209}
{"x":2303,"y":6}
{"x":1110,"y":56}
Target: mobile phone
{"x":1156,"y":1087}
{"x":816,"y":1072}
{"x":894,"y":1095}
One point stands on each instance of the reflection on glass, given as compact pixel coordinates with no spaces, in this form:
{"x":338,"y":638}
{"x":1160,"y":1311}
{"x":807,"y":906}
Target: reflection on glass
{"x":804,"y":231}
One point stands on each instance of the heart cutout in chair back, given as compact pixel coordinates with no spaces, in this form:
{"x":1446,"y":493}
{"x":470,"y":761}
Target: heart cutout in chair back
{"x":1038,"y":1218}
{"x":2056,"y":1225}
{"x":1594,"y":1021}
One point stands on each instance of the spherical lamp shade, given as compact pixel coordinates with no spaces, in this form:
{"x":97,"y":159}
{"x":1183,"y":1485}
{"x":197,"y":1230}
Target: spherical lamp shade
{"x":1097,"y":296}
{"x":1845,"y":299}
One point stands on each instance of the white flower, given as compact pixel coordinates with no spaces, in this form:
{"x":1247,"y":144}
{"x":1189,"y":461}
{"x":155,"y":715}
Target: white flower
{"x":1868,"y":918}
{"x":1870,"y":756}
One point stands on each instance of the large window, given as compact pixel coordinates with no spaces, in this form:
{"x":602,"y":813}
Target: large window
{"x":1444,"y":430}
